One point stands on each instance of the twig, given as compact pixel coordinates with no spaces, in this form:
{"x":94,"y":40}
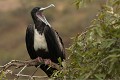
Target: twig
{"x":18,"y":64}
{"x":40,"y":77}
{"x":34,"y":72}
{"x":23,"y":75}
{"x":21,"y":71}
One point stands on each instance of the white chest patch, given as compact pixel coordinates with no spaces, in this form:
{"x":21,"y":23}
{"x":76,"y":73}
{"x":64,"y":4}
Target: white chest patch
{"x":39,"y":41}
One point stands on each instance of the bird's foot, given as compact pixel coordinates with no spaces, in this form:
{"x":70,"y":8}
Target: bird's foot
{"x":39,"y":59}
{"x":47,"y":61}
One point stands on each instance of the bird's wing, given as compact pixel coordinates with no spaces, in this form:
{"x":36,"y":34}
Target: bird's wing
{"x":59,"y":39}
{"x":54,"y":43}
{"x":30,"y":41}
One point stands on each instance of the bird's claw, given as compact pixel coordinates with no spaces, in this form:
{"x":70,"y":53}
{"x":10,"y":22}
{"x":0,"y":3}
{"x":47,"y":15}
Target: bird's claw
{"x":47,"y":61}
{"x":39,"y":59}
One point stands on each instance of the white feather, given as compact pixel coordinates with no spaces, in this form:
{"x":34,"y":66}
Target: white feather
{"x":39,"y":41}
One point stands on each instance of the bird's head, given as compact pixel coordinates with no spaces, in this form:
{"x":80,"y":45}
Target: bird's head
{"x":37,"y":14}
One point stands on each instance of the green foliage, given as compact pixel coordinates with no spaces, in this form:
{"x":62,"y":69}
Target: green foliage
{"x":2,"y":76}
{"x":95,"y":54}
{"x":80,"y":3}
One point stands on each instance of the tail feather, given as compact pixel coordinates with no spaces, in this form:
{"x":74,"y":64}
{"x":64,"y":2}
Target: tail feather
{"x":47,"y":70}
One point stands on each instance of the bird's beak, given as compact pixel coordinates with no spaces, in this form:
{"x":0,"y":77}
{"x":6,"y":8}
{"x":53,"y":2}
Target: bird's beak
{"x":41,"y":16}
{"x":51,"y":5}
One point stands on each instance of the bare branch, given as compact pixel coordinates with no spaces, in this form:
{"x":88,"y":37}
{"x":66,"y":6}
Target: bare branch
{"x":23,"y":75}
{"x":32,"y":77}
{"x":18,"y":64}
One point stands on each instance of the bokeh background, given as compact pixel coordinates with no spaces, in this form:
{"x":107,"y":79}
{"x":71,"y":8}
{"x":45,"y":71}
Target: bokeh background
{"x":15,"y":17}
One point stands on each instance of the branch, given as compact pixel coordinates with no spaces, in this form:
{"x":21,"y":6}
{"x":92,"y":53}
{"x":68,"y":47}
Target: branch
{"x":23,"y":75}
{"x":18,"y":64}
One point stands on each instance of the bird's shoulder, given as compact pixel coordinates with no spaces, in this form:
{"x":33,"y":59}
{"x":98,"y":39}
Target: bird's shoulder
{"x":30,"y":28}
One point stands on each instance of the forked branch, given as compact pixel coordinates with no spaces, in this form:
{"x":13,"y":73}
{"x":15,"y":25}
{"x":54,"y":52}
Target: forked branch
{"x":18,"y":64}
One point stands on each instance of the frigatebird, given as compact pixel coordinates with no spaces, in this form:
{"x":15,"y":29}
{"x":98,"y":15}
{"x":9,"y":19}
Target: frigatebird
{"x":42,"y":41}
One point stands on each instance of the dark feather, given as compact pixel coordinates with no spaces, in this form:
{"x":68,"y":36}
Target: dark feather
{"x":54,"y":48}
{"x":30,"y":41}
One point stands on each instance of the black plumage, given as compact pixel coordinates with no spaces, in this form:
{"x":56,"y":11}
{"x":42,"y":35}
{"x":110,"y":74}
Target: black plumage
{"x":48,"y":43}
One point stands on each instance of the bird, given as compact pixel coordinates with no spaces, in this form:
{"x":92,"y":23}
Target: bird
{"x":42,"y":41}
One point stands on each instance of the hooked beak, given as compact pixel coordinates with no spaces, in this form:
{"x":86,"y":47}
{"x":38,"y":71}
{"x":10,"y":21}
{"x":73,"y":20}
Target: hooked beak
{"x":41,"y":16}
{"x":51,"y":5}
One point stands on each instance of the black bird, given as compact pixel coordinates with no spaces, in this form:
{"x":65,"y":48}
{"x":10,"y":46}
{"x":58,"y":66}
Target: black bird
{"x":42,"y":41}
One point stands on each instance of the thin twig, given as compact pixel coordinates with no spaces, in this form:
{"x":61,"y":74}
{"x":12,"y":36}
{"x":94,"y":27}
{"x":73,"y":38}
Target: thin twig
{"x":40,"y":77}
{"x":34,"y":72}
{"x":23,"y":75}
{"x":21,"y":71}
{"x":18,"y":64}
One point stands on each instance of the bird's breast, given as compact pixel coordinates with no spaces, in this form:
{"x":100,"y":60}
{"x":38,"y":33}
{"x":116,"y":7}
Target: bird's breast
{"x":39,"y":41}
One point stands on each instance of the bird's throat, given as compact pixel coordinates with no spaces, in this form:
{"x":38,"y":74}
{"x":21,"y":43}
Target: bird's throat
{"x":42,"y":18}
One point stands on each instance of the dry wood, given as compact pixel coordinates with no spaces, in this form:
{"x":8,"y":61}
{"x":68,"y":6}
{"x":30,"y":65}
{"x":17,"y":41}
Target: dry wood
{"x":18,"y":64}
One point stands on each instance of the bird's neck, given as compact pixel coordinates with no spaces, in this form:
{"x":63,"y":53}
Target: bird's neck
{"x":35,"y":19}
{"x":39,"y":25}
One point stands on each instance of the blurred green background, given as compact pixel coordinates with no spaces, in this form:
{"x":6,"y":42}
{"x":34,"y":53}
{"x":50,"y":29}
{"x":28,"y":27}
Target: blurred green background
{"x":15,"y":17}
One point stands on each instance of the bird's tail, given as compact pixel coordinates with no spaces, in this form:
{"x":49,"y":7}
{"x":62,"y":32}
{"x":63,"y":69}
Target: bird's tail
{"x":48,"y":70}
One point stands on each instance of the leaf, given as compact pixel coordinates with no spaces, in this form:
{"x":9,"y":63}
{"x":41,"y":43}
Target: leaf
{"x":117,"y":2}
{"x":100,"y":76}
{"x":115,"y":50}
{"x":64,"y":64}
{"x":107,"y":43}
{"x":2,"y":75}
{"x":60,"y":61}
{"x":99,"y":31}
{"x":113,"y":60}
{"x":77,"y":3}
